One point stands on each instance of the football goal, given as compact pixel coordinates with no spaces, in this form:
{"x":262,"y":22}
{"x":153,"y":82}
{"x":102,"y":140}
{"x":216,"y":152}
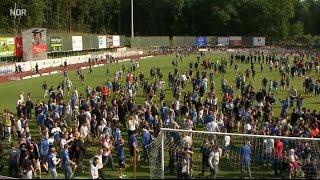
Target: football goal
{"x":183,"y":154}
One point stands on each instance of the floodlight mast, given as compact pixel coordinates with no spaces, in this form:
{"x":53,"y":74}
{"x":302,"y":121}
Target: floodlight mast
{"x":132,"y":27}
{"x":14,"y":21}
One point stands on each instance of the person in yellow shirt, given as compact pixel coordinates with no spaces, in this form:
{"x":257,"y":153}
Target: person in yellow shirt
{"x":7,"y":124}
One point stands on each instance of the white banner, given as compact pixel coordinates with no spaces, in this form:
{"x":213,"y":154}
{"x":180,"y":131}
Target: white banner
{"x":77,"y":43}
{"x":235,"y":38}
{"x":116,"y":41}
{"x":102,"y":42}
{"x":223,"y":41}
{"x":48,"y":63}
{"x":259,"y":41}
{"x":7,"y":69}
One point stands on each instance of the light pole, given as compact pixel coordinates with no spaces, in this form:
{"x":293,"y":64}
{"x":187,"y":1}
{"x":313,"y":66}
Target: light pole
{"x":132,"y":29}
{"x":14,"y":20}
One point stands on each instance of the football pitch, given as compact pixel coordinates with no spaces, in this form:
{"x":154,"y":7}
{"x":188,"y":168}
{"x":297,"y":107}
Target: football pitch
{"x":10,"y":92}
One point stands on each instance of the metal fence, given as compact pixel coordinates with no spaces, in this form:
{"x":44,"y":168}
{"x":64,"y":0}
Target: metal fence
{"x":149,"y":41}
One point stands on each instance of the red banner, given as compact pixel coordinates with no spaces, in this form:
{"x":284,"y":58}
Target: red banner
{"x":40,"y":48}
{"x":235,"y":42}
{"x":19,"y":47}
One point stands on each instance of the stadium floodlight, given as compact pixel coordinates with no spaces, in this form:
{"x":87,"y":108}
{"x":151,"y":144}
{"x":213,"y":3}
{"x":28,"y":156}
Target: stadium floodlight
{"x":132,"y":28}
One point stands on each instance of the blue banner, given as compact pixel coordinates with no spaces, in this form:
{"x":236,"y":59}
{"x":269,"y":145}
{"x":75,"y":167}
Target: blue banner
{"x":202,"y":41}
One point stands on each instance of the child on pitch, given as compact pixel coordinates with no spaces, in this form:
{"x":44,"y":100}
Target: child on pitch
{"x":121,"y":156}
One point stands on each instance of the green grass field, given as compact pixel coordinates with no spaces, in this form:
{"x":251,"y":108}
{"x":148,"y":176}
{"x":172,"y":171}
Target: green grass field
{"x":11,"y":90}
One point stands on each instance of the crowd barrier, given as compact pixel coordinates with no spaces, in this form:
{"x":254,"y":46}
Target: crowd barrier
{"x":48,"y":63}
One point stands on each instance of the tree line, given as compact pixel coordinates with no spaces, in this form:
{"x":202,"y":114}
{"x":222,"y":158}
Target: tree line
{"x":272,"y":18}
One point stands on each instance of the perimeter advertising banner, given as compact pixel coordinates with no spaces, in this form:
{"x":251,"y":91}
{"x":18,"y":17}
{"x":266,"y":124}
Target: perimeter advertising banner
{"x":77,"y":43}
{"x":202,"y":41}
{"x":223,"y":41}
{"x":109,"y":41}
{"x":56,"y":43}
{"x":34,"y":44}
{"x":259,"y":41}
{"x":19,"y":46}
{"x":235,"y":41}
{"x":102,"y":42}
{"x":115,"y":41}
{"x":7,"y":47}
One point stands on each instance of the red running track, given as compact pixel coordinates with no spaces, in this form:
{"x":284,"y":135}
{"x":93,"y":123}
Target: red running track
{"x":13,"y":76}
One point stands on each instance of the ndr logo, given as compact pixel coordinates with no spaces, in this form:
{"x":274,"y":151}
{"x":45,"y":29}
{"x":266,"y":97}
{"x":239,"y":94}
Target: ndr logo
{"x":18,"y":12}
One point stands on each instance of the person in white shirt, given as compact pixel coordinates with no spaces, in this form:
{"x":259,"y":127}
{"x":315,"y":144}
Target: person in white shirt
{"x":18,"y":127}
{"x":176,"y":106}
{"x":268,"y":151}
{"x":76,"y":92}
{"x":106,"y":155}
{"x":220,"y":120}
{"x":186,"y":140}
{"x":162,"y":84}
{"x":101,"y":127}
{"x":21,"y":98}
{"x":88,"y":117}
{"x":68,"y":85}
{"x":56,"y":131}
{"x":64,"y":140}
{"x":186,"y":166}
{"x":99,"y":162}
{"x":68,"y":112}
{"x":226,"y":144}
{"x":213,"y":160}
{"x":132,"y":124}
{"x":94,"y":168}
{"x":84,"y":130}
{"x":247,"y":128}
{"x":213,"y":126}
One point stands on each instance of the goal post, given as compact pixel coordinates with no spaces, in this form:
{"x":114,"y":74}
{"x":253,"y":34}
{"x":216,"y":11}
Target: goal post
{"x":178,"y":153}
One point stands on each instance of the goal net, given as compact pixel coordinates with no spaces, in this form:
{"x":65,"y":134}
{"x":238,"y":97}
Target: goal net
{"x":179,"y":154}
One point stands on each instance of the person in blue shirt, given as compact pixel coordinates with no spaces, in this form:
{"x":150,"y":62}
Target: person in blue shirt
{"x":44,"y":152}
{"x":146,"y":140}
{"x":41,"y":119}
{"x":122,"y":158}
{"x":208,"y":118}
{"x":245,"y":152}
{"x":45,"y":108}
{"x":117,"y":134}
{"x":53,"y":162}
{"x":285,"y":107}
{"x":165,"y":113}
{"x":66,"y":162}
{"x":133,"y":145}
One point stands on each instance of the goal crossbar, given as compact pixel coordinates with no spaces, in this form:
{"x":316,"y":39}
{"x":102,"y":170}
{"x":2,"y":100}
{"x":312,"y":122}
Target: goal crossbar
{"x":243,"y":135}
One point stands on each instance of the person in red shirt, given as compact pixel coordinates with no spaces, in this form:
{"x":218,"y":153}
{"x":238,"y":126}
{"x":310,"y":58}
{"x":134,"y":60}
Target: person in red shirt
{"x":105,"y":92}
{"x":279,"y":149}
{"x":314,"y":131}
{"x":130,"y":77}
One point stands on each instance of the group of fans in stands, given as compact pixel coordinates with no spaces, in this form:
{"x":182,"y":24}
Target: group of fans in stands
{"x":103,"y":114}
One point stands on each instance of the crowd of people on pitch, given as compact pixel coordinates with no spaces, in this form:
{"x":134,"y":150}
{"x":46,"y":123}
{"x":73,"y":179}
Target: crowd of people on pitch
{"x":108,"y":113}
